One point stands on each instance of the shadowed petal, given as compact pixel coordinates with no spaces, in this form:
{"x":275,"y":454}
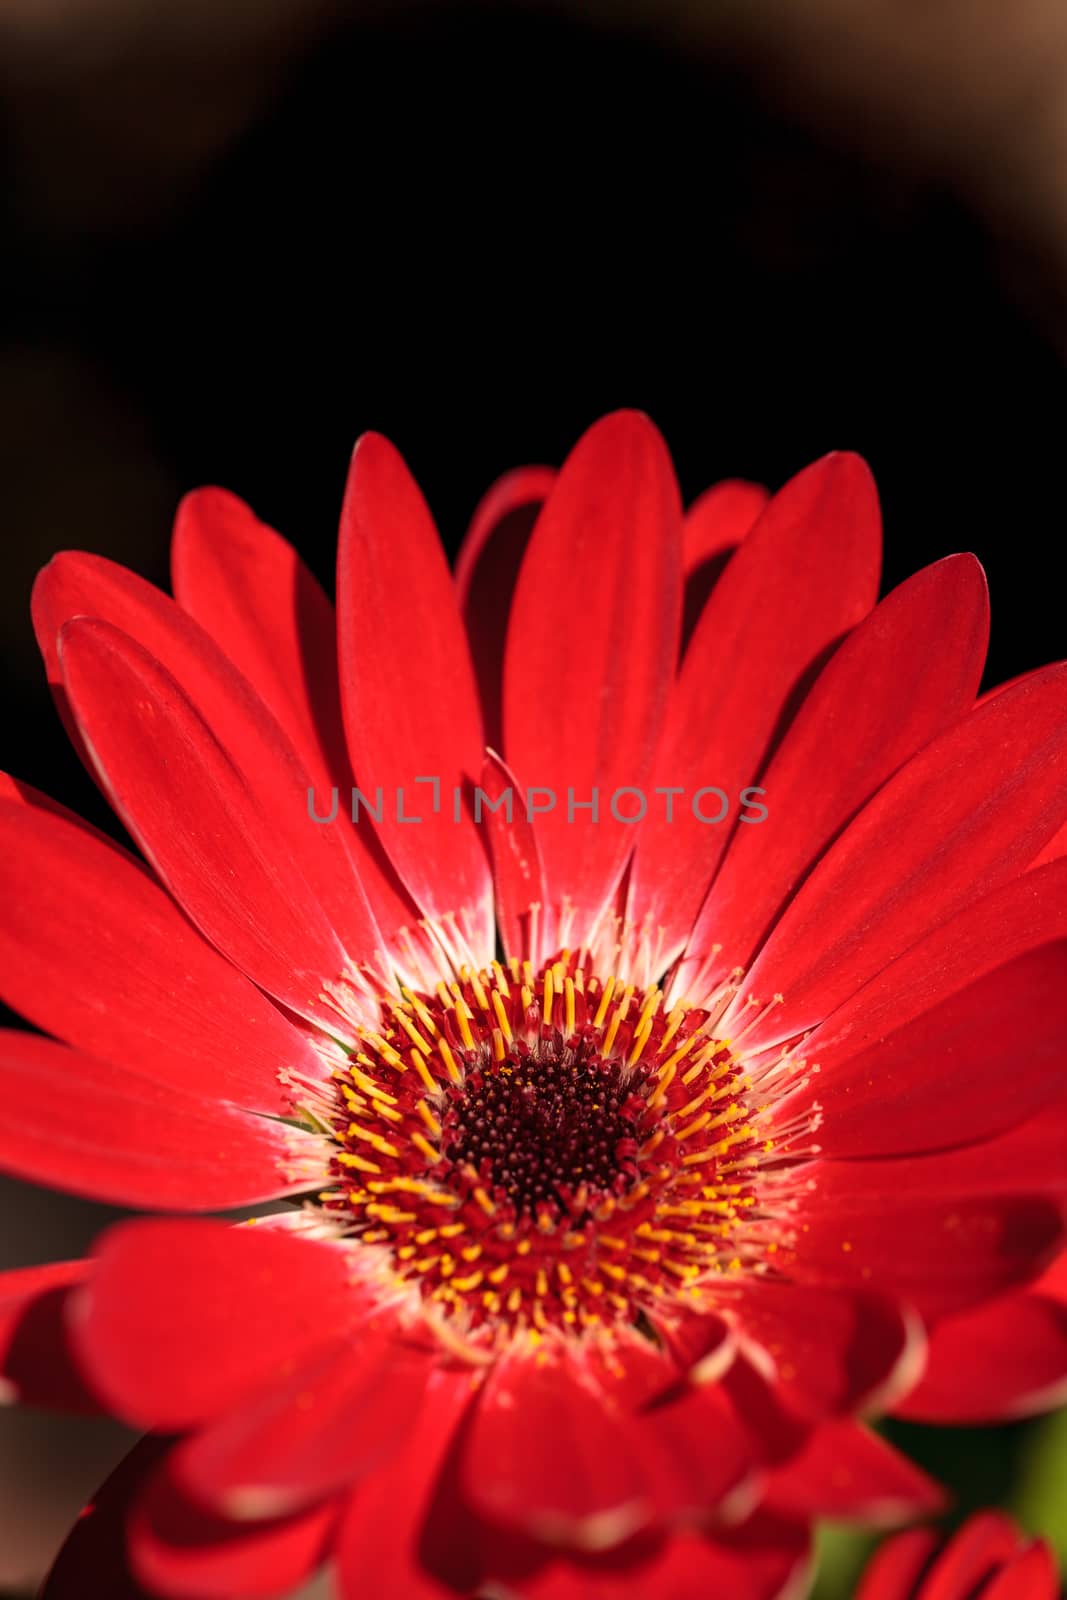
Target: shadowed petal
{"x":518,"y":875}
{"x":831,"y":1351}
{"x":386,"y":1543}
{"x":714,"y":526}
{"x":97,"y":1541}
{"x":38,"y":1366}
{"x":487,"y":569}
{"x":182,"y":1551}
{"x":1005,"y":1359}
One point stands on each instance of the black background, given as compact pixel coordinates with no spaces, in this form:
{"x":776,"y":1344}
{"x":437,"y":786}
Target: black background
{"x":476,"y":234}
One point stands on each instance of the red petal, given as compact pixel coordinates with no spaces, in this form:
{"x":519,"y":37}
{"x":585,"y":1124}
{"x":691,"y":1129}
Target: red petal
{"x":387,"y":1540}
{"x":760,"y":1404}
{"x":702,"y":1345}
{"x":894,"y":1570}
{"x":518,"y":874}
{"x":767,"y":1558}
{"x":591,"y":651}
{"x":1053,"y":1281}
{"x":93,"y":950}
{"x":1009,"y":683}
{"x":906,"y":672}
{"x":91,"y":1128}
{"x":249,"y":589}
{"x":1027,"y":1160}
{"x":977,"y":1064}
{"x":806,"y":574}
{"x":548,"y":1455}
{"x":201,"y":823}
{"x":866,"y":1223}
{"x":1053,"y":851}
{"x":1031,"y":1575}
{"x":697,"y":1452}
{"x":176,"y":1548}
{"x":830,"y":1351}
{"x":491,"y":539}
{"x":694,"y":1448}
{"x":1001,"y":1360}
{"x":340,"y":1417}
{"x":969,"y":811}
{"x":714,"y":526}
{"x":74,"y":585}
{"x":179,"y":1550}
{"x":719,"y":519}
{"x":37,"y":1365}
{"x":24,"y":794}
{"x":407,"y":687}
{"x":183,"y":1320}
{"x":848,"y":1473}
{"x":487,"y":569}
{"x":981,"y":1546}
{"x":1018,"y":916}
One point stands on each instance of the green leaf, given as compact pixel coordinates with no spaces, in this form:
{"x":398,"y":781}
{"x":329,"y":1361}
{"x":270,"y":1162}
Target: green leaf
{"x":1038,"y":1499}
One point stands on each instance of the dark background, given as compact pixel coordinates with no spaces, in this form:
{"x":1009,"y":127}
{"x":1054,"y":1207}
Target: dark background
{"x":477,"y":230}
{"x":229,"y":251}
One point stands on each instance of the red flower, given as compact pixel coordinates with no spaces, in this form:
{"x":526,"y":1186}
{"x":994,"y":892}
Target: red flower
{"x":604,"y":1244}
{"x":987,"y":1559}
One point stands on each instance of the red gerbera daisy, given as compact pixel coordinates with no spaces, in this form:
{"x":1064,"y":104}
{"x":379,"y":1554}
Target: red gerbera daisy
{"x":987,"y":1559}
{"x":608,"y":1234}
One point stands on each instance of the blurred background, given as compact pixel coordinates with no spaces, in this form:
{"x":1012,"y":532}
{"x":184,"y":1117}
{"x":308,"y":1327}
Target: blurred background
{"x":239,"y":232}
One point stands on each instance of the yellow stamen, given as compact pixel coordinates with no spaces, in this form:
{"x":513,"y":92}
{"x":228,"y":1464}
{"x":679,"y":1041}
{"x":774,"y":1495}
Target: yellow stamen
{"x":425,"y":1148}
{"x":449,"y":1060}
{"x":502,"y":1016}
{"x":421,"y":1067}
{"x":429,"y":1119}
{"x":463,"y":1013}
{"x":568,"y":996}
{"x":605,"y":1001}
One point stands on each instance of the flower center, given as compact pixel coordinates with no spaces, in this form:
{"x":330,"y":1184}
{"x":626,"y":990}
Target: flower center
{"x":538,"y":1131}
{"x":522,"y":1152}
